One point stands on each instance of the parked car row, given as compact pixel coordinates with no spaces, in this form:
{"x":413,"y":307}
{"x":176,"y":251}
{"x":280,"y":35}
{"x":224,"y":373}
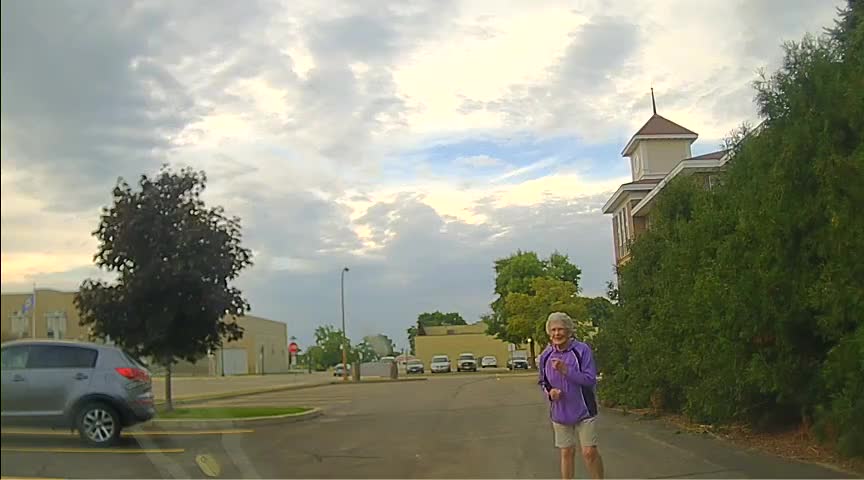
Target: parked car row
{"x":466,"y":362}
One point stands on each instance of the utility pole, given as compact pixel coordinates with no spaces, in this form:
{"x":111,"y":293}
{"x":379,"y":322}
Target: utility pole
{"x":344,"y":336}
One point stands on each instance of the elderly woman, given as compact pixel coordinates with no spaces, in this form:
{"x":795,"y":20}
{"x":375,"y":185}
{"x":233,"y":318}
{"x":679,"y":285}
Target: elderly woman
{"x":568,"y":377}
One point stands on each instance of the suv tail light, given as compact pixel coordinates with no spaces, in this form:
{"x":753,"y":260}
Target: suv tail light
{"x":134,"y":374}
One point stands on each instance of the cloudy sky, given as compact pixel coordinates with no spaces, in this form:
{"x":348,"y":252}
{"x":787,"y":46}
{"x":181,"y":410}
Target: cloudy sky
{"x":413,"y":141}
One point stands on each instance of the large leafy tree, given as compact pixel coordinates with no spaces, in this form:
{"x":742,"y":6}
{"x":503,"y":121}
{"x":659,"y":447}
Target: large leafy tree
{"x":330,"y":340}
{"x":745,"y":302}
{"x":599,"y":311}
{"x":515,"y":274}
{"x":364,"y":352}
{"x":174,"y":258}
{"x":527,"y":313}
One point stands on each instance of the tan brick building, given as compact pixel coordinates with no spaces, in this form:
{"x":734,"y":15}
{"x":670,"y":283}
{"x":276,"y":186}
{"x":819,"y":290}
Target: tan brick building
{"x":454,"y":340}
{"x":263,"y":348}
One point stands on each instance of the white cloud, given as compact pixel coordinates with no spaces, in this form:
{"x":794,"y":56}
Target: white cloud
{"x":301,"y":111}
{"x":518,"y":172}
{"x":478,"y":161}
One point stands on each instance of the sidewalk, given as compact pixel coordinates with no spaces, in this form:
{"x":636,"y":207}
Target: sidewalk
{"x":197,"y":386}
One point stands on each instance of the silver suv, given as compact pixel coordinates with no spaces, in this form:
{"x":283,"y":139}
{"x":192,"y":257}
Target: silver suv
{"x":95,"y":389}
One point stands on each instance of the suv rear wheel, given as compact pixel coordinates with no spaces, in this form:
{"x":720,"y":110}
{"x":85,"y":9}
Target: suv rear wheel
{"x":98,"y":424}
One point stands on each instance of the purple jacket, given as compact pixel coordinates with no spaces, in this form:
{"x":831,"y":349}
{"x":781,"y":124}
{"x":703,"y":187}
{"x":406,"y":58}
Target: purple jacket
{"x":578,"y":400}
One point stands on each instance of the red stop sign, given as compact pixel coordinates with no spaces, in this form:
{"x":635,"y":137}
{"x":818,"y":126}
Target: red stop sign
{"x":293,"y":348}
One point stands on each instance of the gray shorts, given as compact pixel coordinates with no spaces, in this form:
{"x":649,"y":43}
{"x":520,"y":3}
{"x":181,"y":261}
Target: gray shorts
{"x":583,"y":433}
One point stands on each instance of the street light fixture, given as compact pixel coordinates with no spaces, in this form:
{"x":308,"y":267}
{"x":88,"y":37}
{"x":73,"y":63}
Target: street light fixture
{"x":344,"y":337}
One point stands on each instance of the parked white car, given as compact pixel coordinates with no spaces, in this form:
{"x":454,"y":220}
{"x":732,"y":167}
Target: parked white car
{"x":466,"y":363}
{"x":440,"y":364}
{"x":489,"y":361}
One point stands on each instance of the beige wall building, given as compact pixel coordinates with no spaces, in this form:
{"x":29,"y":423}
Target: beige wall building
{"x":657,"y":152}
{"x":454,"y":340}
{"x":54,"y":314}
{"x":263,"y":348}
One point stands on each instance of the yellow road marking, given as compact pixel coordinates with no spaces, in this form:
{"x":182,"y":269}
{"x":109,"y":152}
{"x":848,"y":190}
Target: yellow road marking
{"x":90,"y":450}
{"x":141,"y":433}
{"x":189,"y":432}
{"x":30,"y":478}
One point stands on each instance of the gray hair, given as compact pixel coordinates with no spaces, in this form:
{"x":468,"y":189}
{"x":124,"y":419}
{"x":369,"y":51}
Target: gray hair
{"x":562,"y":318}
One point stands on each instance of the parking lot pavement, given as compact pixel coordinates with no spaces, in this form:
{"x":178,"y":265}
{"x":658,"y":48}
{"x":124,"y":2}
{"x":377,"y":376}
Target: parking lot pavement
{"x":329,"y":398}
{"x":456,"y":426}
{"x":159,"y":454}
{"x":188,"y":386}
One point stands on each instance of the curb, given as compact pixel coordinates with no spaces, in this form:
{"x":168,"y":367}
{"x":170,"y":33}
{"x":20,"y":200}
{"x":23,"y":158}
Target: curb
{"x":376,"y":380}
{"x":281,"y":388}
{"x":238,"y":393}
{"x":481,"y":375}
{"x":218,"y":423}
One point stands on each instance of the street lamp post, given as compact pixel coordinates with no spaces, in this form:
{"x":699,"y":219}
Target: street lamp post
{"x":344,"y":337}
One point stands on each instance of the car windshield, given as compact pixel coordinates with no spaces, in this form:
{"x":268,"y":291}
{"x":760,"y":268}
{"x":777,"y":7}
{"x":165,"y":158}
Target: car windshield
{"x":466,"y":357}
{"x":440,"y":359}
{"x":415,"y":362}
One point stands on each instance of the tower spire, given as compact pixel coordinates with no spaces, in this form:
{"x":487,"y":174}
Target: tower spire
{"x":653,"y":103}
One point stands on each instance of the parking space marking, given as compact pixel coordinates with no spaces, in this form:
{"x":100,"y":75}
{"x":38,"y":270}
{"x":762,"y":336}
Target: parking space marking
{"x":30,"y":478}
{"x":134,"y":433}
{"x":188,"y":432}
{"x":90,"y":450}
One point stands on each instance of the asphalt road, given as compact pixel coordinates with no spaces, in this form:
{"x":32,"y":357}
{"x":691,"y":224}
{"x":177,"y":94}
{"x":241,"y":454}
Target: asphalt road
{"x":194,"y":386}
{"x":447,"y":427}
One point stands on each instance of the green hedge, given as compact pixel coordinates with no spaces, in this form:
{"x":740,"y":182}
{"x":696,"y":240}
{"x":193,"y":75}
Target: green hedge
{"x":746,"y":302}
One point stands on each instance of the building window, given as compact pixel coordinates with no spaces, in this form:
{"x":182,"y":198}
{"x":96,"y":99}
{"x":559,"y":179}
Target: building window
{"x":20,"y":324}
{"x":622,"y":232}
{"x":713,"y":182}
{"x":626,"y":226}
{"x":56,"y":322}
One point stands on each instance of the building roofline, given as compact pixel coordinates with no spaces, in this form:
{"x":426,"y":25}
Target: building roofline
{"x":30,"y":292}
{"x":626,"y":187}
{"x":684,"y":166}
{"x":631,"y":145}
{"x":718,"y":155}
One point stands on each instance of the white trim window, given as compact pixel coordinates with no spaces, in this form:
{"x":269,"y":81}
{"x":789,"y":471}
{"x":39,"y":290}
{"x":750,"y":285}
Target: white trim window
{"x":56,"y":323}
{"x":19,"y":323}
{"x":713,"y":181}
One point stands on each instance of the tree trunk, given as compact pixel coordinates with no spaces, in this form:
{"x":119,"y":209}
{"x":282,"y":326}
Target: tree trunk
{"x":531,"y":355}
{"x":169,"y":400}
